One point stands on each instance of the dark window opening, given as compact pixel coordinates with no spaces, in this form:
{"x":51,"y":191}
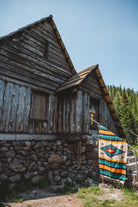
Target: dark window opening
{"x":46,"y":49}
{"x":94,"y":113}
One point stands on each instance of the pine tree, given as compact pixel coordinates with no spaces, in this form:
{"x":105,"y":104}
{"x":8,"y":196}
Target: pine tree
{"x":126,"y":105}
{"x":125,"y":114}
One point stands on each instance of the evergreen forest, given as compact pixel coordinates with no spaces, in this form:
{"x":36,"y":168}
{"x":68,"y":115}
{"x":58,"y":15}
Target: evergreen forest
{"x":126,"y":104}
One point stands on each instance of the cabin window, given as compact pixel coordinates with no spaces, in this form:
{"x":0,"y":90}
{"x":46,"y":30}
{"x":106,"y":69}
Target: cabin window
{"x":46,"y":49}
{"x":39,"y":106}
{"x":94,"y":113}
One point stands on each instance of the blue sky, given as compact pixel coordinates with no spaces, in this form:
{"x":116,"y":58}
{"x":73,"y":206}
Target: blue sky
{"x":103,"y":32}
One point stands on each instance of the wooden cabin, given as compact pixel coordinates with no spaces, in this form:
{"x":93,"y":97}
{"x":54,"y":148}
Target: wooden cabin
{"x":41,"y":94}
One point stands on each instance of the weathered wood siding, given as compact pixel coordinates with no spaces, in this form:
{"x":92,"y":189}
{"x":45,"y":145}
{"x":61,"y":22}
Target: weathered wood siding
{"x":74,"y":113}
{"x":18,"y":112}
{"x":23,"y":61}
{"x":105,"y":117}
{"x":92,"y":87}
{"x":67,"y":113}
{"x":14,"y":107}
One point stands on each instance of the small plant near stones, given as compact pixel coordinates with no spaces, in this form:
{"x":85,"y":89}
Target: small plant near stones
{"x":17,"y":200}
{"x":70,"y":187}
{"x":43,"y":183}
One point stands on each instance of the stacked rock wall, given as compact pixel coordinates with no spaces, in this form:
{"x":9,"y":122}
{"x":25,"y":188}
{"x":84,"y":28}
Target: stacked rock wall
{"x":57,"y":160}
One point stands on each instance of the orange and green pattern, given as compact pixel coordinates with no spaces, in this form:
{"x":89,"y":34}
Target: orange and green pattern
{"x":112,"y":155}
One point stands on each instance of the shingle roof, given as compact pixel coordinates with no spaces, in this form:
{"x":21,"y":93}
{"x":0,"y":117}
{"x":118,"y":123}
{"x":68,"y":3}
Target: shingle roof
{"x":76,"y":79}
{"x":50,"y":19}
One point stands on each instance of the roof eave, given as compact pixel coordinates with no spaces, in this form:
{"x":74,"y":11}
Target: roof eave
{"x":109,"y":103}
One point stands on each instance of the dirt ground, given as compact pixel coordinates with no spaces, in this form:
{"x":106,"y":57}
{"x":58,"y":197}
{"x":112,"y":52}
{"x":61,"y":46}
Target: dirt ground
{"x":53,"y":201}
{"x":42,"y":198}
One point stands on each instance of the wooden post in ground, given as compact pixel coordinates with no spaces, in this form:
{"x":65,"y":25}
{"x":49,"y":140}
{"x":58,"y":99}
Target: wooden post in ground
{"x":102,"y":180}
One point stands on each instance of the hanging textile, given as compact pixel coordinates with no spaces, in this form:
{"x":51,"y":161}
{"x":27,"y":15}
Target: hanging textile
{"x":112,"y":155}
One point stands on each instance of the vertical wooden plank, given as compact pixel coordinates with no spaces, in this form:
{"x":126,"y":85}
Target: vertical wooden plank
{"x":55,"y":116}
{"x":20,"y":111}
{"x":102,"y":106}
{"x":39,"y":106}
{"x":60,"y":119}
{"x":2,"y":89}
{"x":88,"y":123}
{"x":6,"y":109}
{"x":50,"y":113}
{"x":79,"y":112}
{"x":44,"y":127}
{"x":105,"y":114}
{"x":101,"y":111}
{"x":64,"y":115}
{"x":27,"y":105}
{"x":72,"y":115}
{"x":31,"y":127}
{"x":108,"y":119}
{"x":67,"y":114}
{"x":38,"y":127}
{"x":86,"y":113}
{"x":14,"y":107}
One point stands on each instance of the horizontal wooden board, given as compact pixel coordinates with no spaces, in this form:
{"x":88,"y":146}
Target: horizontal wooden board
{"x":27,"y":79}
{"x":19,"y":62}
{"x":27,"y":137}
{"x":22,"y":83}
{"x":34,"y":59}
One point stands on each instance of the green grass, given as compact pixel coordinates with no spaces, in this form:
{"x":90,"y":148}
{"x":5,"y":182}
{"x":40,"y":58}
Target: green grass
{"x":29,"y":205}
{"x":108,"y":202}
{"x":136,"y":148}
{"x":87,"y":195}
{"x":130,"y":198}
{"x":95,"y":190}
{"x":92,"y":201}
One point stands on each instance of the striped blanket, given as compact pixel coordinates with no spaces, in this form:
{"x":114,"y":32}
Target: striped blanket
{"x":112,"y":155}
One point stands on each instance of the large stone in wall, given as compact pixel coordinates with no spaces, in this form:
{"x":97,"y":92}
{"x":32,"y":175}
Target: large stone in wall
{"x":37,"y":178}
{"x":15,"y":178}
{"x":16,"y":166}
{"x":55,"y":158}
{"x":10,"y":153}
{"x":3,"y":177}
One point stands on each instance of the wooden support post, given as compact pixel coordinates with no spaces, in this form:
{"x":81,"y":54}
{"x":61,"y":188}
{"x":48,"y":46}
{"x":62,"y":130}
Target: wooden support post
{"x":102,"y":180}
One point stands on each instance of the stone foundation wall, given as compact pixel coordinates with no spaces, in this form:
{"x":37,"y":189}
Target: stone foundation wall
{"x":57,"y":160}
